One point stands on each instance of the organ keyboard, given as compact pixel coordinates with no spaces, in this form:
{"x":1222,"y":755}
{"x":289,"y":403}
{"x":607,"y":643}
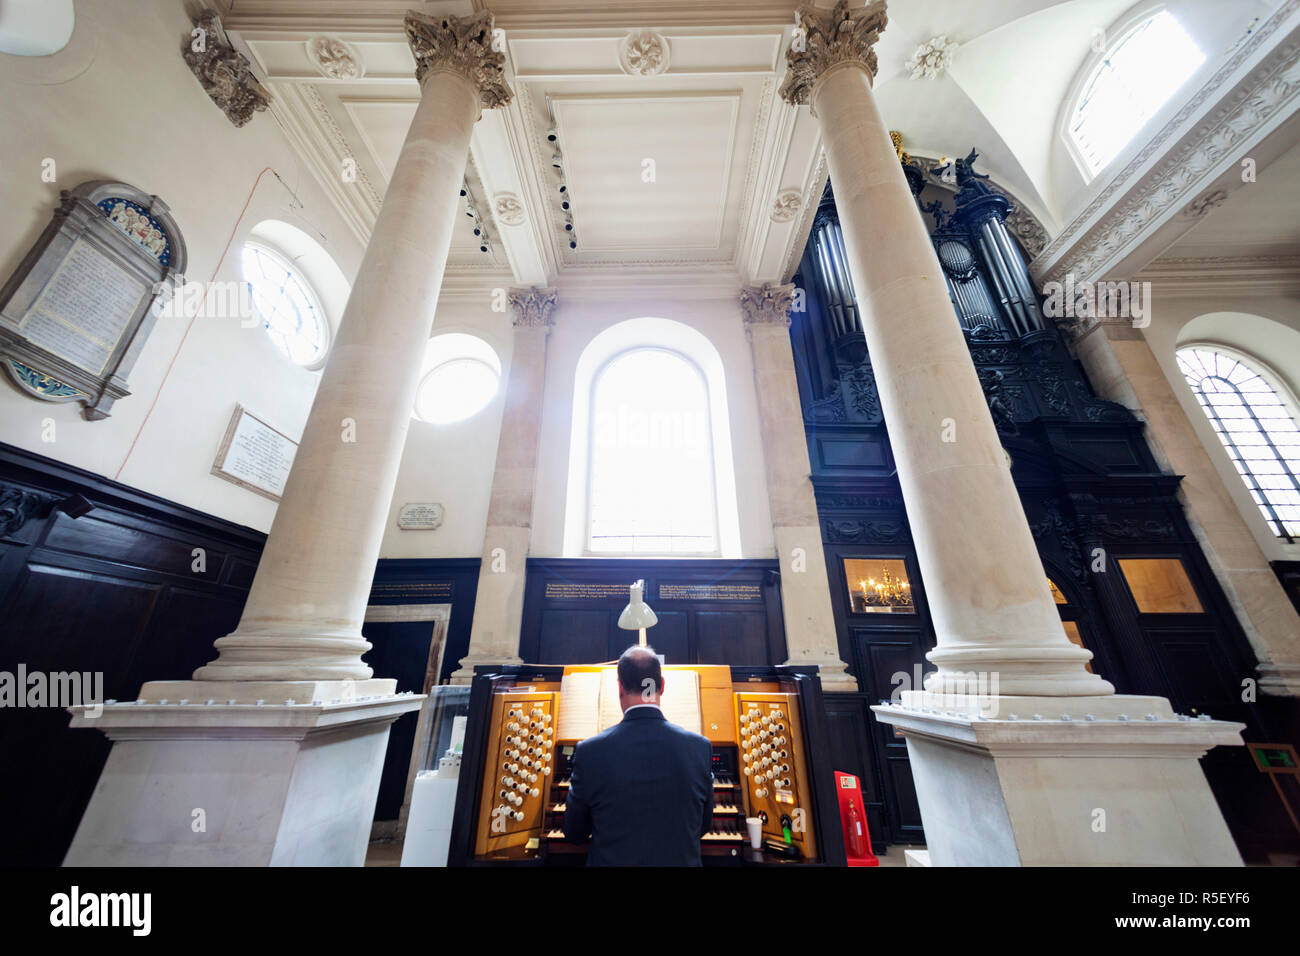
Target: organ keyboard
{"x":515,"y":773}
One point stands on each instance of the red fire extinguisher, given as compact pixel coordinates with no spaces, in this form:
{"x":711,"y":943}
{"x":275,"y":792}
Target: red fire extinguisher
{"x":857,"y":833}
{"x":853,"y":820}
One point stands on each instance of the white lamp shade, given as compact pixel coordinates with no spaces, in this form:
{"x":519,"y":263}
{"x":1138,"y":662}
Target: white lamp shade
{"x":637,"y":614}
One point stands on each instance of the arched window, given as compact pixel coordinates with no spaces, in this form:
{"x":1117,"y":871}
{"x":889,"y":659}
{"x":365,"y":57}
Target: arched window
{"x":651,"y":477}
{"x":1136,"y":77}
{"x":287,"y":305}
{"x":1256,"y":427}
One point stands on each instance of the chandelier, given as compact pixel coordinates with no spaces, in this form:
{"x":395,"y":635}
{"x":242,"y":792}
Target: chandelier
{"x":888,"y":593}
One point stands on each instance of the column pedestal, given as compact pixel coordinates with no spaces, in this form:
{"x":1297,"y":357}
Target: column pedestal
{"x":273,"y":753}
{"x":1117,"y":784}
{"x":244,"y":784}
{"x":992,"y":790}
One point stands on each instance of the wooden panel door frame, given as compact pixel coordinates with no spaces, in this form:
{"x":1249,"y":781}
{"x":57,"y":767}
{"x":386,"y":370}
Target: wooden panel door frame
{"x":439,"y":617}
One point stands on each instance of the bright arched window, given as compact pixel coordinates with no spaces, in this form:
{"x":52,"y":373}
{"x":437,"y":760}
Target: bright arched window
{"x":287,"y":305}
{"x":1256,"y":427}
{"x":651,"y":477}
{"x":1136,"y":77}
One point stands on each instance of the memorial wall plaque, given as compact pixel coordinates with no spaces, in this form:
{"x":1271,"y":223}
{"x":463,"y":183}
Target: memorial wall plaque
{"x":420,"y":516}
{"x":254,"y":455}
{"x":75,"y":314}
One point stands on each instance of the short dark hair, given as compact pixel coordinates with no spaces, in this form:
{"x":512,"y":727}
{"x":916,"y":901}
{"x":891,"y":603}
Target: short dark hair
{"x":635,"y":665}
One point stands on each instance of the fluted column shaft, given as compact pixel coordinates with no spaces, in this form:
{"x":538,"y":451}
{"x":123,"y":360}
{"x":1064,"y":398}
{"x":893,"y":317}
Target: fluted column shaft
{"x":810,"y":633}
{"x":303,"y":617}
{"x":992,"y":610}
{"x":499,"y":605}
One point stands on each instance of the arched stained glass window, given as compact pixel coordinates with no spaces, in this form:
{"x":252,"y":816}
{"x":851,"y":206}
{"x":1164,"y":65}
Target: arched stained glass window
{"x":651,"y":480}
{"x":1136,"y":77}
{"x":1256,"y":427}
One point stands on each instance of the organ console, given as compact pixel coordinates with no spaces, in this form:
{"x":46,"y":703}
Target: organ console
{"x":769,"y":761}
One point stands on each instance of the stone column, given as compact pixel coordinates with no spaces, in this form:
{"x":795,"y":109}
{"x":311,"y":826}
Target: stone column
{"x":1011,"y":772}
{"x":810,"y":633}
{"x":279,"y":743}
{"x":1266,"y":614}
{"x":304,"y":612}
{"x":992,"y":610}
{"x":499,"y":606}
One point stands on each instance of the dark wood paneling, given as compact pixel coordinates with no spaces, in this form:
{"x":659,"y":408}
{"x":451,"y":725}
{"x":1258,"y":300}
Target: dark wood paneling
{"x":731,"y":637}
{"x":568,"y":635}
{"x":400,"y":649}
{"x":115,"y":592}
{"x":710,"y":611}
{"x":848,"y":733}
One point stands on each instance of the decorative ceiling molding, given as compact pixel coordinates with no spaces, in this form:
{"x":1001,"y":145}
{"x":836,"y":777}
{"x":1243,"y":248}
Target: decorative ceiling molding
{"x":787,"y":205}
{"x":335,"y":59}
{"x":222,"y":71}
{"x":1189,"y":152}
{"x":643,"y":53}
{"x":508,"y":210}
{"x":385,"y":16}
{"x":812,"y":194}
{"x":1235,"y":276}
{"x":1197,"y":208}
{"x":932,"y":58}
{"x":342,"y":149}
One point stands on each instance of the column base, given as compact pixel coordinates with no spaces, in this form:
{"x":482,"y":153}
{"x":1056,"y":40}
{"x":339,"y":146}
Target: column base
{"x":243,"y":784}
{"x":1093,"y":781}
{"x":1279,"y":680}
{"x":465,"y":673}
{"x":834,"y":673}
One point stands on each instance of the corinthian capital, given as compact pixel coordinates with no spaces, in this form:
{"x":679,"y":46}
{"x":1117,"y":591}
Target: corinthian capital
{"x":467,"y":45}
{"x":533,"y":308}
{"x":767,"y":305}
{"x":824,"y":38}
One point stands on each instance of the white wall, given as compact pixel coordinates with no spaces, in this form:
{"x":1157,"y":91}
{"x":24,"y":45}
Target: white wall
{"x":1265,"y":327}
{"x":453,"y":464}
{"x":118,"y":102}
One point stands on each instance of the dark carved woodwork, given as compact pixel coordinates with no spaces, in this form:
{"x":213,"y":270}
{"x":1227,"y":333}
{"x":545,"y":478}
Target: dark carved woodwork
{"x":1093,"y":494}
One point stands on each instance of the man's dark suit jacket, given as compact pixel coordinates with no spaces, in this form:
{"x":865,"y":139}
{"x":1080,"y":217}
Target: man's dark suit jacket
{"x":642,"y":790}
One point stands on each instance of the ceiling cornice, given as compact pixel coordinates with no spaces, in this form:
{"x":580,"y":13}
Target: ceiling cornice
{"x":1197,"y":150}
{"x":386,"y":16}
{"x":1195,"y":277}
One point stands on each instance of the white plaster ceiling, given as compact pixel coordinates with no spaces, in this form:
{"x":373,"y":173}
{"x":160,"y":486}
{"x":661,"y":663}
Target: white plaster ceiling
{"x":723,"y":144}
{"x":1256,"y":219}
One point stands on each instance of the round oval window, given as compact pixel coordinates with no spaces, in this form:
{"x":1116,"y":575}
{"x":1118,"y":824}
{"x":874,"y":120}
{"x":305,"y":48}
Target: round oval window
{"x":287,"y":306}
{"x":456,"y":390}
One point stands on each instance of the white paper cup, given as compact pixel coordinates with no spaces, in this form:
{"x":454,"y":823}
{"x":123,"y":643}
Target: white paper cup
{"x":755,"y":827}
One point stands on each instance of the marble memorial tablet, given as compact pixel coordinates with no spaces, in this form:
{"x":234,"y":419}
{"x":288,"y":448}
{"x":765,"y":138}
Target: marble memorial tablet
{"x":417,"y":516}
{"x":76,"y":313}
{"x":254,"y":455}
{"x":84,"y":309}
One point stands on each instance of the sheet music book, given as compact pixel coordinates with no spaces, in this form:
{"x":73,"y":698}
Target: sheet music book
{"x":681,"y":699}
{"x":589,"y":702}
{"x":579,"y":716}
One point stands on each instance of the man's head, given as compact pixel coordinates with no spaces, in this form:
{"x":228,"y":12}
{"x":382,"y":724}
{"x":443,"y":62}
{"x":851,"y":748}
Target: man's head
{"x":640,"y":679}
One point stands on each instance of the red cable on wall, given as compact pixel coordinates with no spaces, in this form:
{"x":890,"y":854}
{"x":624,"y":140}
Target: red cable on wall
{"x":199,"y":311}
